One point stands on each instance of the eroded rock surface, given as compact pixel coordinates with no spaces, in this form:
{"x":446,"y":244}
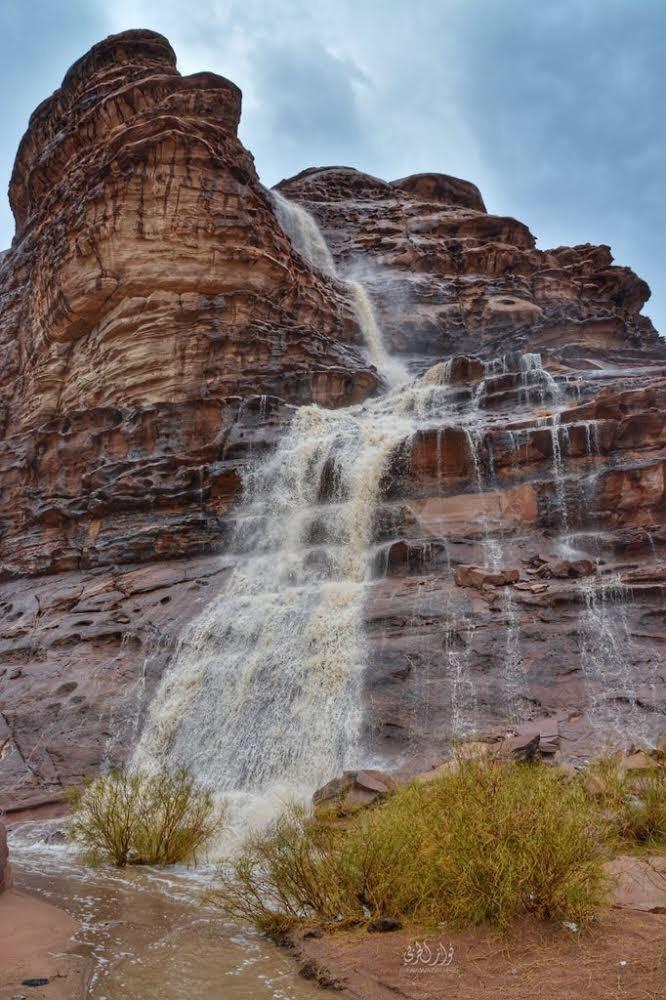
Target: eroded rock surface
{"x":5,"y":868}
{"x":157,"y":330}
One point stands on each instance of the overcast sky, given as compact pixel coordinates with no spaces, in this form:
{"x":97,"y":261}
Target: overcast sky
{"x":555,"y":108}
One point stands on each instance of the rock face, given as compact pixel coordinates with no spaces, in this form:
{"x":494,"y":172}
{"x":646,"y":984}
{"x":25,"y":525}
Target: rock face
{"x":5,"y":870}
{"x":157,"y":330}
{"x":563,"y":470}
{"x":156,"y":325}
{"x":449,"y":278}
{"x":148,"y":297}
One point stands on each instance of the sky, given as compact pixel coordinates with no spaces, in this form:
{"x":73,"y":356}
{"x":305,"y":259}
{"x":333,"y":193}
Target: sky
{"x":554,"y":108}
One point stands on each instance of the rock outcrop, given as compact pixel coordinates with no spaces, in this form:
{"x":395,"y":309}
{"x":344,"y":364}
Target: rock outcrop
{"x":158,"y":328}
{"x":150,"y":303}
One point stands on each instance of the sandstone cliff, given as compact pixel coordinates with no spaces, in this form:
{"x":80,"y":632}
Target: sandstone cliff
{"x":157,"y":328}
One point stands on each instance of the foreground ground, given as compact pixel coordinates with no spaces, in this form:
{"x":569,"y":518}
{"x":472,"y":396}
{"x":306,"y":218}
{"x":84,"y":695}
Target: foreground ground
{"x":625,"y":956}
{"x":36,"y":942}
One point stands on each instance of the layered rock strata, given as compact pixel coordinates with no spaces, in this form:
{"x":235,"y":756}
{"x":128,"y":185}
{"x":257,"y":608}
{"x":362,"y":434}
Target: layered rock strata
{"x":449,"y":278}
{"x":157,"y":329}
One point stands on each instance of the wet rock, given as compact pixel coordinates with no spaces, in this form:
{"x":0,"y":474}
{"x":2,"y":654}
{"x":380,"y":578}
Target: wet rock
{"x":383,"y":925}
{"x":539,"y":737}
{"x":531,"y":587}
{"x":525,"y":747}
{"x":563,"y":569}
{"x":5,"y":868}
{"x":459,"y":370}
{"x":478,"y":577}
{"x":354,"y":790}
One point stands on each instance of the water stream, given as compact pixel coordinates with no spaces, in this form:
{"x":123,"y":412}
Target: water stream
{"x":148,"y":934}
{"x":309,"y":241}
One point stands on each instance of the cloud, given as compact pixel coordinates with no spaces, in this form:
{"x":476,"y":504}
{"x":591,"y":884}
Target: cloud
{"x":306,"y":97}
{"x":566,"y":100}
{"x":38,"y":42}
{"x":553,"y":109}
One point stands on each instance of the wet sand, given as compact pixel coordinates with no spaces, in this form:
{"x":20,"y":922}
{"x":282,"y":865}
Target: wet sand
{"x":621,"y":957}
{"x":37,"y":942}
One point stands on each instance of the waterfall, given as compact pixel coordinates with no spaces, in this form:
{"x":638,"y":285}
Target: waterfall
{"x":514,"y":679}
{"x":606,"y":662}
{"x":558,"y":468}
{"x":304,"y":233}
{"x":262,"y":698}
{"x":308,"y":240}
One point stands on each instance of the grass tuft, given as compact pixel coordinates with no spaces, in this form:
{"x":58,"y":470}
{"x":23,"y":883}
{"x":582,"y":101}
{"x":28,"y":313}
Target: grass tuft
{"x":133,"y":818}
{"x":634,"y":801}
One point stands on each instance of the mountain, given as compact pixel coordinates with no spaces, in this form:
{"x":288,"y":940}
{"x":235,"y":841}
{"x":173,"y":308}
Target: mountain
{"x":165,"y":319}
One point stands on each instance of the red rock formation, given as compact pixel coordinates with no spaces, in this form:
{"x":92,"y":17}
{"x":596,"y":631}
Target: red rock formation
{"x":449,"y":278}
{"x":158,"y":326}
{"x":148,"y":294}
{"x":155,"y":321}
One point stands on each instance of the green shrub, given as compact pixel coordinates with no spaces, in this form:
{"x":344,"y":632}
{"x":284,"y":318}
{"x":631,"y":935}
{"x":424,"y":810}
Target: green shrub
{"x":133,"y":818}
{"x":634,"y":801}
{"x":487,"y":842}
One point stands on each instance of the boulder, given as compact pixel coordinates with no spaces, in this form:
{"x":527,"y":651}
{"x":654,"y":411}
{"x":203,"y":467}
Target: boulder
{"x":354,"y":789}
{"x":540,"y":737}
{"x":564,"y":569}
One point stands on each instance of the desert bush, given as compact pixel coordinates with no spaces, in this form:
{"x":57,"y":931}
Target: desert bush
{"x":485,"y":843}
{"x":132,"y":818}
{"x":634,"y":801}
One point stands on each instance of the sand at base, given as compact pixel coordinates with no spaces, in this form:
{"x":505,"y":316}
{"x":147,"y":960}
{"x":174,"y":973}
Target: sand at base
{"x":36,"y":943}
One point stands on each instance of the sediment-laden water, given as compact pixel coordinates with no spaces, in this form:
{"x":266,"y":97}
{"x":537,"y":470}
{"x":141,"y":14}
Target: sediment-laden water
{"x":148,"y":934}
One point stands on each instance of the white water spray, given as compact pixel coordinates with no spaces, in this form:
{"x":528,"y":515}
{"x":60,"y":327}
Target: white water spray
{"x":263,"y":696}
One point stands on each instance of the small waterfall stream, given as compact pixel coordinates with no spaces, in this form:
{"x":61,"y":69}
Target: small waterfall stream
{"x":308,"y":240}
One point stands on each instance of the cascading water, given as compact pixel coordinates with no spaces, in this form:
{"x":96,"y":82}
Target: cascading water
{"x":304,"y":233}
{"x":606,"y":662}
{"x":308,"y":240}
{"x":262,"y":698}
